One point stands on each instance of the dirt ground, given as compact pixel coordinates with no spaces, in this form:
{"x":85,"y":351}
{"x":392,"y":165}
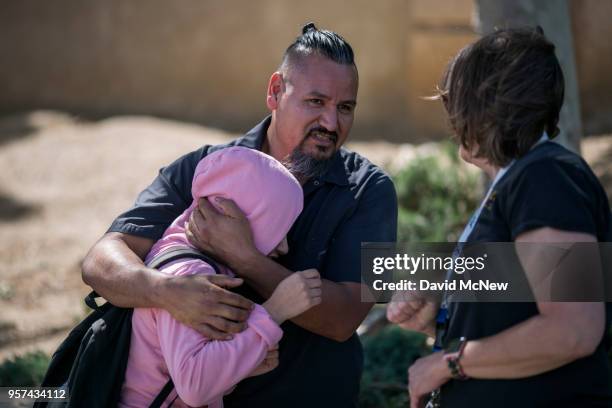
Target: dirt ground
{"x":64,"y":180}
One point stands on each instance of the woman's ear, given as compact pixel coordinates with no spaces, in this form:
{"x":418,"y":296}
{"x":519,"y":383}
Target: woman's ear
{"x":275,"y":88}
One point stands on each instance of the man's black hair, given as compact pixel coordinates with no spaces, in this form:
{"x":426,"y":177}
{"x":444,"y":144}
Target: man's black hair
{"x":323,"y":42}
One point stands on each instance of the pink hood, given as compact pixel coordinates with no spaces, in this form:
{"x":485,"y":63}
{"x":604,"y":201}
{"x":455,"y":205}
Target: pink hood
{"x":261,"y":187}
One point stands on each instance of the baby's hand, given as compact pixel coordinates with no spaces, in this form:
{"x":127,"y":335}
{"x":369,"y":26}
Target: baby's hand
{"x":294,"y":295}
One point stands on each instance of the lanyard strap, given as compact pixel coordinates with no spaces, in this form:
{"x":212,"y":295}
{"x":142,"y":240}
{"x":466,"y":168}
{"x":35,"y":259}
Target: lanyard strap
{"x":467,"y":231}
{"x":443,"y":315}
{"x":469,"y":228}
{"x":474,"y":219}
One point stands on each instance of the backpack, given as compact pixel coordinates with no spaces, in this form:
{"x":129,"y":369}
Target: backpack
{"x":91,"y":362}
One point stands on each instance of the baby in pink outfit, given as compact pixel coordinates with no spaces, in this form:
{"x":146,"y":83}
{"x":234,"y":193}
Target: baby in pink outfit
{"x":161,"y":348}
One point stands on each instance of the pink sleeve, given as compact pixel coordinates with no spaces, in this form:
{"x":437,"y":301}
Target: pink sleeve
{"x":203,"y":370}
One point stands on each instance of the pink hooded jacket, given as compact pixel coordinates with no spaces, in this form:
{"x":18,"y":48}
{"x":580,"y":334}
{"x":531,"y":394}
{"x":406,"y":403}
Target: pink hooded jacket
{"x":161,"y":347}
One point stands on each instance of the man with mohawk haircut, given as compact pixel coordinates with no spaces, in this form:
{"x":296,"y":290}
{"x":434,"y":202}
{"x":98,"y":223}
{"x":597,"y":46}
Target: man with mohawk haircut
{"x":347,"y":201}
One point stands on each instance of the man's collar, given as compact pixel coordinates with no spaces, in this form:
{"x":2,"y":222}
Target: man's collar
{"x":254,"y":139}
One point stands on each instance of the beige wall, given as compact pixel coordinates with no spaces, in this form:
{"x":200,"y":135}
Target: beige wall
{"x":439,"y":29}
{"x":209,"y":60}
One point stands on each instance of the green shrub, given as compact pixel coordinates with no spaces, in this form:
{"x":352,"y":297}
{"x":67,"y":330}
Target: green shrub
{"x":436,"y":197}
{"x":387,"y":356}
{"x":26,"y":371}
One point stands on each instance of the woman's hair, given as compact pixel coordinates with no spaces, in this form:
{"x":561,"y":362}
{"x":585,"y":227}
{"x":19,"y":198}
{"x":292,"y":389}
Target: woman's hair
{"x":502,"y":92}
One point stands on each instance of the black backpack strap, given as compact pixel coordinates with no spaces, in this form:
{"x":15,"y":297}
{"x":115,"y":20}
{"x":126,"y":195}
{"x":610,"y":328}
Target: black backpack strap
{"x":173,"y":254}
{"x":164,"y":258}
{"x":161,"y":259}
{"x":163,"y":394}
{"x":90,"y":300}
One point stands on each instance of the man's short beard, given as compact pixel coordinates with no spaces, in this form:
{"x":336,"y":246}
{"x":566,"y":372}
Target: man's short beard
{"x":305,"y":167}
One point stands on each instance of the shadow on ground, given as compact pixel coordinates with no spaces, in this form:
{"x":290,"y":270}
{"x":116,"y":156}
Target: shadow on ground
{"x":16,"y":127}
{"x":13,"y":210}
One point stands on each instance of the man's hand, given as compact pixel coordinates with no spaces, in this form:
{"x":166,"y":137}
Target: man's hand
{"x":268,"y":364}
{"x":425,"y":375}
{"x":200,"y":302}
{"x":415,"y":314}
{"x":226,"y":236}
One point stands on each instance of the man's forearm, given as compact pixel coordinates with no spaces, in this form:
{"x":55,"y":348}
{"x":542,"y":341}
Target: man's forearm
{"x":336,"y":317}
{"x":116,"y":272}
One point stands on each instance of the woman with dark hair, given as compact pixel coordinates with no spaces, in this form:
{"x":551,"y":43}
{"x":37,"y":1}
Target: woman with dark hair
{"x":503,"y":95}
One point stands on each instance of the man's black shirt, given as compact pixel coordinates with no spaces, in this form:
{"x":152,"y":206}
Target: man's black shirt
{"x":352,"y":202}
